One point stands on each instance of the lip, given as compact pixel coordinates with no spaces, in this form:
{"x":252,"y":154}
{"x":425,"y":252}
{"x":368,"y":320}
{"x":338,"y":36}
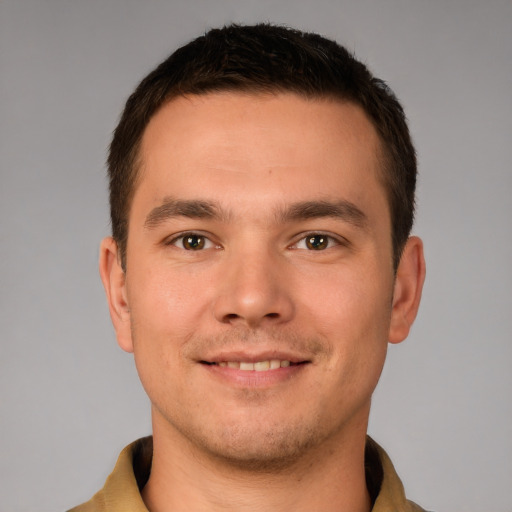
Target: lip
{"x":253,"y":357}
{"x":253,"y":379}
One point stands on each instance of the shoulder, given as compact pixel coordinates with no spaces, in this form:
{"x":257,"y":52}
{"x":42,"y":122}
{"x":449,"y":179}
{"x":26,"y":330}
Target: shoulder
{"x":382,"y":477}
{"x":95,"y":504}
{"x":121,"y":492}
{"x":413,"y":507}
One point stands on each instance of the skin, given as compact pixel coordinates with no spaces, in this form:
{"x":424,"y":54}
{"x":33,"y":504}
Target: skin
{"x":291,"y":438}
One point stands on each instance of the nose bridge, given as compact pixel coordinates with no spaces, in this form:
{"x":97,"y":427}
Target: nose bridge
{"x":254,"y":287}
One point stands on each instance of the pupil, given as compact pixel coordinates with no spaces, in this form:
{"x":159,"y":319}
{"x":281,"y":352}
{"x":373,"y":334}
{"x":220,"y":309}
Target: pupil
{"x":194,"y":242}
{"x":317,"y":242}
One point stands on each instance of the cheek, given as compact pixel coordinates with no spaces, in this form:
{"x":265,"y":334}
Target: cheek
{"x":349,"y":302}
{"x":164,"y":313}
{"x":164,"y":302}
{"x":352,"y":314}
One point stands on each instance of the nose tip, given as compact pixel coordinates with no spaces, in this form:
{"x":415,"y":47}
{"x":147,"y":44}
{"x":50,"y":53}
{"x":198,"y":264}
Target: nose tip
{"x":251,"y":294}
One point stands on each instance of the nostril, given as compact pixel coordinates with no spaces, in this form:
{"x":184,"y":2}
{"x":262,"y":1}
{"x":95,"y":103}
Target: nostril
{"x":232,"y":317}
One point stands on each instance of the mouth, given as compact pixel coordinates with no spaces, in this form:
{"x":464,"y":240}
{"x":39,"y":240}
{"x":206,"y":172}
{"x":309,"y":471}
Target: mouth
{"x":242,"y":370}
{"x":255,"y":366}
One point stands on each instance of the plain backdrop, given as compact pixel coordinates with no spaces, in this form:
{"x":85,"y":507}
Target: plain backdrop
{"x":70,"y":398}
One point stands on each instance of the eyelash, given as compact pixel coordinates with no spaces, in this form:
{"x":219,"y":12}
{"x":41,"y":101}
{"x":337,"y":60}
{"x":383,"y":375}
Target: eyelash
{"x":325,"y":241}
{"x":192,"y":234}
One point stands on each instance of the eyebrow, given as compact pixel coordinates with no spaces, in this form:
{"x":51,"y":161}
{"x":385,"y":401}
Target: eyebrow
{"x":192,"y":208}
{"x":305,"y":210}
{"x":342,"y":209}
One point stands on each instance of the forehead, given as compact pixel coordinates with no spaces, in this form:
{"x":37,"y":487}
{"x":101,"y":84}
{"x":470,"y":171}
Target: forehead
{"x":246,"y":146}
{"x":219,"y":112}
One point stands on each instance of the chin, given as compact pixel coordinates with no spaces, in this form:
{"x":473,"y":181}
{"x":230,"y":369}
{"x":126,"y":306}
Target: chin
{"x":252,"y":449}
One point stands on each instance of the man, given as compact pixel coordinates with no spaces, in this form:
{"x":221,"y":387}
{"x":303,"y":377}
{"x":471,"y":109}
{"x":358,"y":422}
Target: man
{"x":262,"y":195}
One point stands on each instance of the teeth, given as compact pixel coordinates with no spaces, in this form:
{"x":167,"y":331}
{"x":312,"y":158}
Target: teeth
{"x":262,"y":366}
{"x":259,"y":366}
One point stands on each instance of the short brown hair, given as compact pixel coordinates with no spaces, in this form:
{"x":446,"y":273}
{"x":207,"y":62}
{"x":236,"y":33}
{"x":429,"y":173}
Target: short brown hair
{"x":268,"y":59}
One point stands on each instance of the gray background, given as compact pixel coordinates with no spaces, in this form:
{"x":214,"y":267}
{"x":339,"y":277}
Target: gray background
{"x":70,"y":398}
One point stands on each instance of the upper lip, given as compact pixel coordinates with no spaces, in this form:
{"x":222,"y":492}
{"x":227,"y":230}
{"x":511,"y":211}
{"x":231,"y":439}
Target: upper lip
{"x":253,"y":357}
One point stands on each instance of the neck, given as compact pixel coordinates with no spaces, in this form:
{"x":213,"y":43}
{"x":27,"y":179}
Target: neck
{"x":330,"y":477}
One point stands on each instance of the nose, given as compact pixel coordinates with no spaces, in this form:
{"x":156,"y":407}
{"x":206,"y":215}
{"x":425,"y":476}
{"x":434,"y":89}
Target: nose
{"x":254,"y":289}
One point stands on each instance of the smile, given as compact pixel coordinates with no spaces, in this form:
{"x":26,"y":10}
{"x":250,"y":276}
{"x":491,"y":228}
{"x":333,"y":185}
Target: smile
{"x":244,"y":371}
{"x":257,"y":366}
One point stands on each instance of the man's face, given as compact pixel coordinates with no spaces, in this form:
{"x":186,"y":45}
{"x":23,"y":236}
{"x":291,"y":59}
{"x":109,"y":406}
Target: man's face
{"x":259,"y":285}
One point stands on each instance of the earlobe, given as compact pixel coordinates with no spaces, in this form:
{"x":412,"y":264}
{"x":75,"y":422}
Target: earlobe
{"x":407,"y":291}
{"x":114,"y":282}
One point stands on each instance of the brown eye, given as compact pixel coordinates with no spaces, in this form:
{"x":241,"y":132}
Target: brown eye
{"x":317,"y":242}
{"x":193,"y":242}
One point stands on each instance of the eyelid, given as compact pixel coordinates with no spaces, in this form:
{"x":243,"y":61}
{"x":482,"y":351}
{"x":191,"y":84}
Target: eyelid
{"x":174,"y":239}
{"x":337,"y":239}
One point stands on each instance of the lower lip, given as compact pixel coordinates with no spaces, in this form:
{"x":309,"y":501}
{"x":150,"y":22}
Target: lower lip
{"x":253,"y":378}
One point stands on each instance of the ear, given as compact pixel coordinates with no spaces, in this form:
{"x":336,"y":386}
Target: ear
{"x":407,"y":291}
{"x":114,"y":282}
